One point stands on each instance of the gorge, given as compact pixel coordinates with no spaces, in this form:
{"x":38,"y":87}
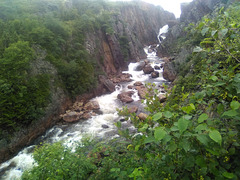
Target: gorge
{"x":93,"y":50}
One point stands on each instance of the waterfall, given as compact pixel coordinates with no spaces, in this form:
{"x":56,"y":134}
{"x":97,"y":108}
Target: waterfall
{"x":161,"y":35}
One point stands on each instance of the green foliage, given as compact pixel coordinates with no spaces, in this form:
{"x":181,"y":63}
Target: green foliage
{"x":58,"y":162}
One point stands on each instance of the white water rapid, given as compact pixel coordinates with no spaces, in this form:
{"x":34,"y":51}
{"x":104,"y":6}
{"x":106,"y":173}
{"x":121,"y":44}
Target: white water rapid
{"x":100,"y":126}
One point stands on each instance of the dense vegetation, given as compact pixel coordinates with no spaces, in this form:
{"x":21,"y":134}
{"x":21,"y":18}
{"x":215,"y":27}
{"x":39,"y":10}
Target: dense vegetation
{"x":194,"y":135}
{"x":37,"y":38}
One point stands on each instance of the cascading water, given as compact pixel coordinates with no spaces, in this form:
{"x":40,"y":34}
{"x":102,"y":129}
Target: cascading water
{"x":161,"y":36}
{"x":99,"y":126}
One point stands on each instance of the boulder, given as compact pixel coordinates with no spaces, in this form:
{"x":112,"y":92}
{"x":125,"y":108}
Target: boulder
{"x":138,"y":83}
{"x":92,"y":105}
{"x":155,"y":74}
{"x":72,"y":116}
{"x":105,"y":126}
{"x":125,"y":97}
{"x":140,"y":66}
{"x":133,"y":109}
{"x":142,"y":116}
{"x":142,"y":91}
{"x":169,"y":72}
{"x":148,"y":69}
{"x":157,"y":67}
{"x":86,"y":116}
{"x":108,"y":84}
{"x":130,"y":87}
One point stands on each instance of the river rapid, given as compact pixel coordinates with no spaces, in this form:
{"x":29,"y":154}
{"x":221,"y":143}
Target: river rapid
{"x":99,"y":126}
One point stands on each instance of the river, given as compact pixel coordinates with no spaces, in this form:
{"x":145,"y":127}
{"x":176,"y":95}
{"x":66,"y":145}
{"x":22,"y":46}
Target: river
{"x":99,"y":126}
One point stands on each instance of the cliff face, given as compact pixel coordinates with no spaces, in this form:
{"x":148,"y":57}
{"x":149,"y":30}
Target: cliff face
{"x":134,"y":25}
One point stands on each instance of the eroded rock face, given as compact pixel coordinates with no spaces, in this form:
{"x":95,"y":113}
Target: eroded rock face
{"x":125,"y":97}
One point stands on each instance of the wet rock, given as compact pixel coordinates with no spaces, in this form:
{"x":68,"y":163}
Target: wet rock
{"x":142,"y":116}
{"x":148,"y":69}
{"x":105,"y":126}
{"x":150,"y":50}
{"x":140,"y":66}
{"x":5,"y":169}
{"x":92,"y":105}
{"x":125,"y":77}
{"x":162,"y":98}
{"x":130,"y":87}
{"x":72,"y":116}
{"x":146,"y":62}
{"x":155,"y":74}
{"x":161,"y":66}
{"x":122,"y":120}
{"x":168,"y":72}
{"x":138,"y":83}
{"x":86,"y":116}
{"x":142,"y":91}
{"x":157,"y":67}
{"x":125,"y":97}
{"x":133,"y":109}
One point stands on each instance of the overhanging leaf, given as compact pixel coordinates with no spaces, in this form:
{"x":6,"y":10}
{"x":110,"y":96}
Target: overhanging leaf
{"x":230,"y":113}
{"x":159,"y":133}
{"x":214,"y":78}
{"x":203,"y":139}
{"x":183,"y":124}
{"x":202,"y":118}
{"x":197,"y":49}
{"x":235,"y":105}
{"x":204,"y":31}
{"x":222,"y":33}
{"x":228,"y":175}
{"x":216,"y":136}
{"x":157,"y":116}
{"x":167,"y":114}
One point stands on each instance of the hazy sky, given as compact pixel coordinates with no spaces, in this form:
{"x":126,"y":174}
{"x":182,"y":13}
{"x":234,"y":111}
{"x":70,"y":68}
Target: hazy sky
{"x":169,"y":5}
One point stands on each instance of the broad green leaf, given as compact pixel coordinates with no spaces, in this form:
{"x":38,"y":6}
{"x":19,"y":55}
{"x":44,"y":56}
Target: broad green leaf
{"x":204,"y":31}
{"x":230,"y":113}
{"x":192,"y":106}
{"x":220,"y":108}
{"x":159,"y":133}
{"x":167,"y":138}
{"x":202,"y":118}
{"x":235,"y":105}
{"x":174,"y":128}
{"x":214,"y":78}
{"x":197,"y":49}
{"x":172,"y":147}
{"x":213,"y":32}
{"x":183,"y":124}
{"x":157,"y":116}
{"x":201,"y":127}
{"x":149,"y":140}
{"x":203,"y":139}
{"x":216,"y":136}
{"x":185,"y":145}
{"x":167,"y":114}
{"x":213,"y":152}
{"x":222,"y":33}
{"x":201,"y":162}
{"x":228,"y":175}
